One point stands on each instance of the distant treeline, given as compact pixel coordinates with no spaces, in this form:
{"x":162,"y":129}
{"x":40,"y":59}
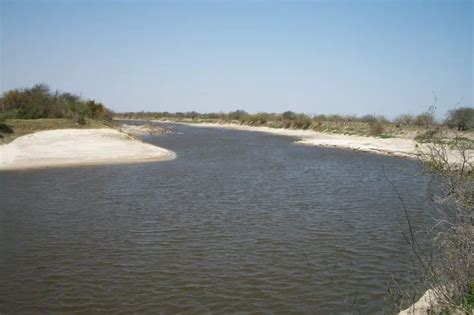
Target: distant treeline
{"x":40,"y":102}
{"x":460,"y":118}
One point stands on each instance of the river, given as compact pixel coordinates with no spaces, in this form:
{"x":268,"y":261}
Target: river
{"x":239,"y":222}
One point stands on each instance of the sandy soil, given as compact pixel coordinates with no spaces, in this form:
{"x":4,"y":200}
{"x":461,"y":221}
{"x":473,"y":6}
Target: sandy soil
{"x":425,"y":305}
{"x":404,"y":147}
{"x":67,"y":147}
{"x":144,"y":130}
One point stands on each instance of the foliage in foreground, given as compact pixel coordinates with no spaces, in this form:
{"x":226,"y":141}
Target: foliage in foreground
{"x":467,"y":302}
{"x":448,"y":268}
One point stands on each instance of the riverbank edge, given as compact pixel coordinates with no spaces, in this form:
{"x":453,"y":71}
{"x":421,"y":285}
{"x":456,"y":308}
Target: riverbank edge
{"x":406,"y":148}
{"x":428,"y":303}
{"x":81,"y":164}
{"x":393,"y":147}
{"x":123,"y":142}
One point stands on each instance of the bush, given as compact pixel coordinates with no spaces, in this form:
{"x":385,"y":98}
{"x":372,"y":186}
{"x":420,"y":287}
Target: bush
{"x":40,"y":102}
{"x":460,"y":118}
{"x":367,"y":118}
{"x":429,"y":135}
{"x":425,"y":120}
{"x":302,"y":122}
{"x":448,"y":268}
{"x":289,"y":115}
{"x":404,"y":120}
{"x":335,"y":118}
{"x":376,"y":128}
{"x":257,"y":119}
{"x":79,"y":119}
{"x":5,"y":128}
{"x":237,"y":115}
{"x":319,"y":118}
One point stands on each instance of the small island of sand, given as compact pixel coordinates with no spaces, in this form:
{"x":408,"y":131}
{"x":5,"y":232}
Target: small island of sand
{"x":69,"y":147}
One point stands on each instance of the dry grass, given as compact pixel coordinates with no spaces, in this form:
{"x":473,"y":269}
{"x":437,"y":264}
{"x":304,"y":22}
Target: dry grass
{"x":357,"y":128}
{"x":14,"y":128}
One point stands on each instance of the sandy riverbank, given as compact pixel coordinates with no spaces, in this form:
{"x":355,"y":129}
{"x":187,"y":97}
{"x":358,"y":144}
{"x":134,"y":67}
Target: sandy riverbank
{"x":427,"y":304}
{"x":402,"y":147}
{"x":68,"y":147}
{"x":144,"y":130}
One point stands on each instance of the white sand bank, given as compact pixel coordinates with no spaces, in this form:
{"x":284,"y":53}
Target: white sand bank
{"x":403,"y":147}
{"x":425,"y":305}
{"x":67,"y":147}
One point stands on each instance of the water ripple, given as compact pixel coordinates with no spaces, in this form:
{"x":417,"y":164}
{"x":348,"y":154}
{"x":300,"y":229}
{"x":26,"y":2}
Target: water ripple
{"x":244,"y":223}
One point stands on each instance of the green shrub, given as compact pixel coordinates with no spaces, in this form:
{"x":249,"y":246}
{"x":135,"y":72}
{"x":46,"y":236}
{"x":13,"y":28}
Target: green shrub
{"x":302,"y":122}
{"x":468,"y":300}
{"x":427,"y":136}
{"x":376,"y":128}
{"x":79,"y":119}
{"x":460,"y":118}
{"x":4,"y":128}
{"x":319,"y":118}
{"x":404,"y":120}
{"x":289,"y":115}
{"x":425,"y":120}
{"x":257,"y":119}
{"x":237,"y":115}
{"x":40,"y":102}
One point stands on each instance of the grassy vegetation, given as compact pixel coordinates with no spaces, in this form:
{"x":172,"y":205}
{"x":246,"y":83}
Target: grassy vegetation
{"x":40,"y":102}
{"x":13,"y":128}
{"x":71,"y":111}
{"x":368,"y":125}
{"x":467,"y":302}
{"x":24,"y":111}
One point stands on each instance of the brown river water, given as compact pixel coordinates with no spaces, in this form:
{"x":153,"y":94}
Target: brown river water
{"x":241,"y":222}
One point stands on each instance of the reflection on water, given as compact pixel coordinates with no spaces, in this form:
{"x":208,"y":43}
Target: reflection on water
{"x":240,"y":221}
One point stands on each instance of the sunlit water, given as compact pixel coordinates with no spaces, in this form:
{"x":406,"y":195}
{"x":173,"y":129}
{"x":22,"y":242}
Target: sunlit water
{"x":239,"y":222}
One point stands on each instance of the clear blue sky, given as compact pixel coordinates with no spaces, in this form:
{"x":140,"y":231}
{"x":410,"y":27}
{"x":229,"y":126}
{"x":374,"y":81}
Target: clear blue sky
{"x":349,"y":57}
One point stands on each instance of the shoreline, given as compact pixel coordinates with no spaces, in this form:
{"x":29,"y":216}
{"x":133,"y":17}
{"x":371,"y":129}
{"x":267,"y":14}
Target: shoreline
{"x":398,"y":147}
{"x":394,"y":146}
{"x":78,"y":147}
{"x":426,"y":304}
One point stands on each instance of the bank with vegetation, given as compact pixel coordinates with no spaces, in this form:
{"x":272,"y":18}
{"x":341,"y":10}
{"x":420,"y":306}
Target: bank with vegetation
{"x":460,"y":119}
{"x":23,"y":111}
{"x":405,"y":136}
{"x":44,"y":128}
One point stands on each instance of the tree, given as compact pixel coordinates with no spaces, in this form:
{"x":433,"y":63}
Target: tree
{"x":40,"y":102}
{"x":237,"y":115}
{"x":404,"y":120}
{"x":425,"y":119}
{"x":289,"y":115}
{"x":461,"y":118}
